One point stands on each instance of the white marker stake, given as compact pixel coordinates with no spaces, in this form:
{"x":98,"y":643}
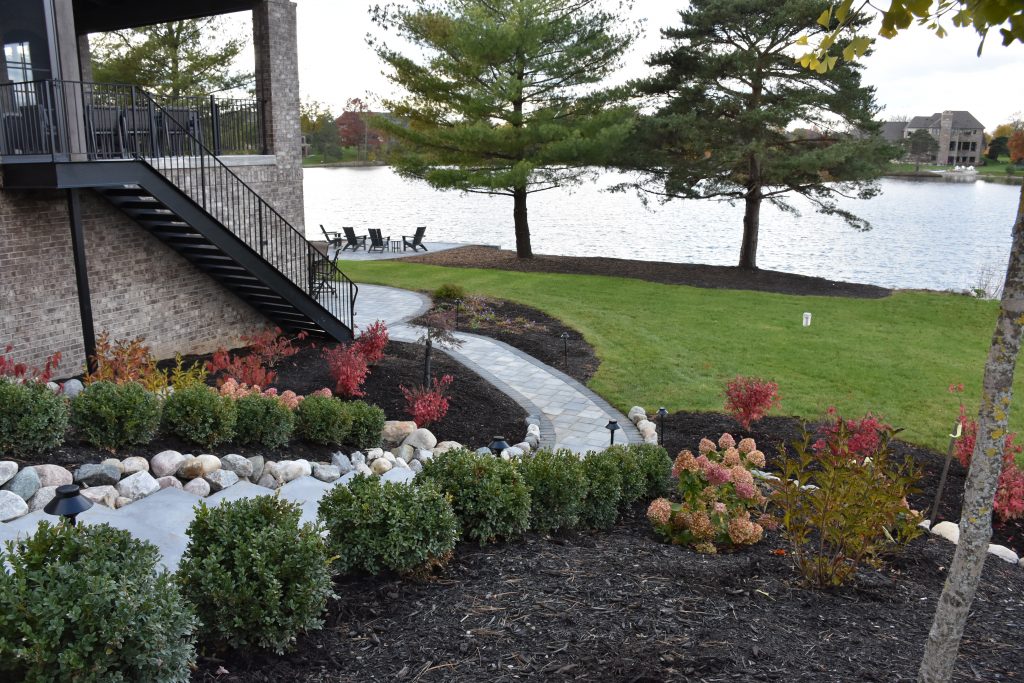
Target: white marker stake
{"x":807,"y":319}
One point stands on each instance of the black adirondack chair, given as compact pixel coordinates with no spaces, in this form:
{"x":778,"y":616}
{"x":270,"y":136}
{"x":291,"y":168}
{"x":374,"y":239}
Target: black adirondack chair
{"x":378,"y":243}
{"x":414,"y":242}
{"x":352,"y":240}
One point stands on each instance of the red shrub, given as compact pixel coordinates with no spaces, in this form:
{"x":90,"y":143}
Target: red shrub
{"x":348,"y":368}
{"x":271,"y":346}
{"x":1009,"y":501}
{"x":372,"y":341}
{"x":748,"y":399}
{"x":266,"y":349}
{"x":427,"y":406}
{"x":864,"y":436}
{"x":9,"y":368}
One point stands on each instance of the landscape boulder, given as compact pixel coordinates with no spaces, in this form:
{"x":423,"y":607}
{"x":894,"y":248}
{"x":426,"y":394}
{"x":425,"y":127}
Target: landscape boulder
{"x":421,"y":438}
{"x":165,"y":463}
{"x":138,"y":485}
{"x":342,"y":462}
{"x":198,"y":486}
{"x":43,"y":496}
{"x":948,"y":531}
{"x":326,"y":473}
{"x":25,"y":483}
{"x":8,"y":468}
{"x":73,"y":387}
{"x":220,"y":480}
{"x":97,"y":475}
{"x":134,"y":464}
{"x":169,"y":482}
{"x":52,"y":475}
{"x":380,"y":466}
{"x":101,"y":495}
{"x":396,"y":431}
{"x":12,"y":506}
{"x":635,"y":414}
{"x":237,"y":464}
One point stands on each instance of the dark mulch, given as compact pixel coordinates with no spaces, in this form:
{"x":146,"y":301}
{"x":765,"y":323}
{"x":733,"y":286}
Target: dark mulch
{"x":621,"y":606}
{"x":540,"y":338}
{"x":693,"y":274}
{"x":477,"y":410}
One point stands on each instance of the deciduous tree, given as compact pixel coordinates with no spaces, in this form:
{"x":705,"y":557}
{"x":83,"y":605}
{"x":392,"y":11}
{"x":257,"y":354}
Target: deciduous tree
{"x":317,"y":124}
{"x":920,"y":146}
{"x":998,"y":147}
{"x":728,"y":90}
{"x":189,"y":57}
{"x":1015,"y":145}
{"x":505,"y":100}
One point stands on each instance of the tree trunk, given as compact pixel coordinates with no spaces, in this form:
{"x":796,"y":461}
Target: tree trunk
{"x":751,"y":224}
{"x":523,"y":249}
{"x":983,"y":476}
{"x":427,"y":348}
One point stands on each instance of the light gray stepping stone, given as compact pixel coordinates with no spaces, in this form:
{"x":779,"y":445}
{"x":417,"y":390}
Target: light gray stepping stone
{"x":168,"y":509}
{"x":400,"y":476}
{"x":307,"y":492}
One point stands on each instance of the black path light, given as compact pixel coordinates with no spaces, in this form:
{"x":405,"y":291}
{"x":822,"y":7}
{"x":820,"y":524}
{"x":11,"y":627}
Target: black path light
{"x":68,"y":503}
{"x":498,"y":445}
{"x":565,"y":348}
{"x":662,"y":414}
{"x":612,"y":426}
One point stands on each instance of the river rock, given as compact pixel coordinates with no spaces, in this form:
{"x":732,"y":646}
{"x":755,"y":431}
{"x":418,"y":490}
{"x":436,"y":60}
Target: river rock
{"x":114,"y":462}
{"x":291,"y":470}
{"x":646,"y":427}
{"x":445,"y":446}
{"x":421,"y":438}
{"x":523,"y":446}
{"x":12,"y":506}
{"x":165,"y":463}
{"x":52,"y":475}
{"x":357,"y":458}
{"x":169,"y":482}
{"x":416,"y":466}
{"x":221,"y":479}
{"x":399,"y":464}
{"x":53,"y":386}
{"x":635,"y":414}
{"x":1003,"y":553}
{"x":8,"y":468}
{"x":73,"y":387}
{"x":373,"y":454}
{"x":101,"y":495}
{"x":396,"y":431}
{"x":198,"y":486}
{"x":121,"y":501}
{"x":25,"y":483}
{"x":237,"y":464}
{"x":138,"y":485}
{"x":534,"y":430}
{"x":341,"y":461}
{"x":135,"y":464}
{"x":97,"y":475}
{"x":380,"y":466}
{"x":257,"y":463}
{"x":43,"y":496}
{"x":327,"y":473}
{"x":199,"y":466}
{"x":424,"y":456}
{"x":511,"y":453}
{"x":405,"y":452}
{"x":268,"y":481}
{"x":361,"y":468}
{"x":948,"y":531}
{"x":483,"y":451}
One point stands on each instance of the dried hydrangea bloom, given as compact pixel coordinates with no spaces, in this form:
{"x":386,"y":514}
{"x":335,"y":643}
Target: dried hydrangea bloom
{"x":744,"y":532}
{"x":739,"y":474}
{"x":706,"y":548}
{"x":766,"y":521}
{"x":703,"y":463}
{"x":705,"y":446}
{"x":731,"y":457}
{"x":659,"y":511}
{"x":726,"y":441}
{"x":745,"y":490}
{"x":701,"y":526}
{"x":720,"y":508}
{"x":755,"y":459}
{"x":716,"y":474}
{"x":685,"y":462}
{"x":747,"y":445}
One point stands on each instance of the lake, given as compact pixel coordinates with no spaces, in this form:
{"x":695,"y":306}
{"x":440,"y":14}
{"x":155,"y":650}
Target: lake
{"x":926,"y":234}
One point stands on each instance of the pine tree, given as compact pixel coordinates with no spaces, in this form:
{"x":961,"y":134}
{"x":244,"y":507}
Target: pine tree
{"x":505,"y":101}
{"x":728,"y":88}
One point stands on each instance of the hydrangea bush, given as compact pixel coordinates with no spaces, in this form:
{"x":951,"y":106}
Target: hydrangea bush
{"x":718,"y":497}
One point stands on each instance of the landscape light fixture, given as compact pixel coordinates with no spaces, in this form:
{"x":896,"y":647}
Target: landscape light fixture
{"x":565,"y":348}
{"x":68,"y":503}
{"x":498,"y":445}
{"x":611,"y":427}
{"x":662,"y":414}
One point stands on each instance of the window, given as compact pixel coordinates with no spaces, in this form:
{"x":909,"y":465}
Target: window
{"x":19,"y":62}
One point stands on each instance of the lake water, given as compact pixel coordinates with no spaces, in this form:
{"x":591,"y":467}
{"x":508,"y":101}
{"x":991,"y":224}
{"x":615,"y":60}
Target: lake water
{"x":926,"y":234}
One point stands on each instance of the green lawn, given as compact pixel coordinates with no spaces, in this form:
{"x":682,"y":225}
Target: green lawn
{"x":677,"y":346}
{"x":997,"y":167}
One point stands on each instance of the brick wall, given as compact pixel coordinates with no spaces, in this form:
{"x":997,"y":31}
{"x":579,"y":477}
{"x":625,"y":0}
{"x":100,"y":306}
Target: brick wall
{"x":139,"y":286}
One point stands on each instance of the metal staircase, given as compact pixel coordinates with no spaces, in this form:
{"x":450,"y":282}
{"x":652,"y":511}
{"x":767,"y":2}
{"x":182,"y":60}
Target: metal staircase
{"x":148,"y":162}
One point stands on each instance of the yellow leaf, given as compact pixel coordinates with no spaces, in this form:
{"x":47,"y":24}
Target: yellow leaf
{"x":842,"y":10}
{"x":821,"y":67}
{"x":805,"y":61}
{"x":826,"y":17}
{"x":849,"y":53}
{"x":831,"y":62}
{"x":802,"y":40}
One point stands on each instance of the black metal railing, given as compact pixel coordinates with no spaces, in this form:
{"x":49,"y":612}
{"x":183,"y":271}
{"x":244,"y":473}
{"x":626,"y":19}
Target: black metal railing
{"x":116,"y":121}
{"x":113,"y":113}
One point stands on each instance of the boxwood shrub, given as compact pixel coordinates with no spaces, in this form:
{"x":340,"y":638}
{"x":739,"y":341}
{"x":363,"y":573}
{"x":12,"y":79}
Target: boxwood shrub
{"x":557,"y":489}
{"x":604,"y":489}
{"x":254,"y":575}
{"x":367,"y":423}
{"x":375,"y":525}
{"x":634,"y":479}
{"x":488,"y":494}
{"x":263,"y":420}
{"x":110,"y":416}
{"x":657,"y":468}
{"x":32,"y":418}
{"x":200,"y":415}
{"x":323,"y":420}
{"x":85,"y":603}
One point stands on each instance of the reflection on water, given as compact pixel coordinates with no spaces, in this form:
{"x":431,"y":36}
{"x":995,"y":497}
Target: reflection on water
{"x":926,"y":234}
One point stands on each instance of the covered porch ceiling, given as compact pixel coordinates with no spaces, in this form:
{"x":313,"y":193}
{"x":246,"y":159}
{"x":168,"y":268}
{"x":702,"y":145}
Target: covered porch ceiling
{"x":92,"y":16}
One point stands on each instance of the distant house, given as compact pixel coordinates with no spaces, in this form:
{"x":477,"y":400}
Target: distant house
{"x":961,"y":137}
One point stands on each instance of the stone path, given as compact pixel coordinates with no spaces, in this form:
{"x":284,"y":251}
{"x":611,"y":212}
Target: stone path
{"x":571,"y":415}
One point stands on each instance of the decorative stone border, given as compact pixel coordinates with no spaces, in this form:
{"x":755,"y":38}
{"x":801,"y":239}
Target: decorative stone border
{"x":951,"y":532}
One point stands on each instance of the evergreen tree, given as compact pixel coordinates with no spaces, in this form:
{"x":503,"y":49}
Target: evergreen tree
{"x":728,"y":88}
{"x":505,"y":101}
{"x":170,"y":60}
{"x":920,"y":146}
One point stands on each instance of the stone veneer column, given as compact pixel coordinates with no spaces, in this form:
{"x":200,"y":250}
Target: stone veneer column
{"x":275,"y":43}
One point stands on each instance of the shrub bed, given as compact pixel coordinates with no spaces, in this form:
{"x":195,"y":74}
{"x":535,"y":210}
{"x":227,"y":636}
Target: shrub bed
{"x":112,"y":415}
{"x":32,"y":418}
{"x":557,"y":486}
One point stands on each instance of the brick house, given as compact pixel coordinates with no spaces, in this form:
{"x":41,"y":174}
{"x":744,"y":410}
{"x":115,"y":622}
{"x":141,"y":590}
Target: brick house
{"x":179,"y":221}
{"x":961,"y":137}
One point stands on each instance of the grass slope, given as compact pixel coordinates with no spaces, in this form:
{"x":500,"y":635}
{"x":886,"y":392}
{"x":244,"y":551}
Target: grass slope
{"x":677,"y":346}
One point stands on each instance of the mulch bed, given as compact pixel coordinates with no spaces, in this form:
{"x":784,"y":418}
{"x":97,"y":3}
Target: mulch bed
{"x":621,"y":606}
{"x":693,"y":274}
{"x":477,"y":410}
{"x":542,"y":338}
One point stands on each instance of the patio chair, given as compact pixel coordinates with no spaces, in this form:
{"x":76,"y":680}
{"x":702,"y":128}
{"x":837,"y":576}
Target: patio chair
{"x":334,"y":239}
{"x":352,"y":240}
{"x":414,"y":242}
{"x":377,"y":242}
{"x":321,"y":277}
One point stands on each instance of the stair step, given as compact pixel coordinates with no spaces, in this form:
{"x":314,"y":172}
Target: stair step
{"x":135,"y":191}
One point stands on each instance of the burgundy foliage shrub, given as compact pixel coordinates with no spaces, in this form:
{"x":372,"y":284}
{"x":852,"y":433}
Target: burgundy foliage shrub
{"x":428,"y":405}
{"x":348,"y":368}
{"x":372,"y":341}
{"x":10,"y":368}
{"x":850,"y":439}
{"x":748,"y":399}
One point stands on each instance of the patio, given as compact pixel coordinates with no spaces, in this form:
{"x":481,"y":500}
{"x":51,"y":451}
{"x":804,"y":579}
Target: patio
{"x":364,"y":255}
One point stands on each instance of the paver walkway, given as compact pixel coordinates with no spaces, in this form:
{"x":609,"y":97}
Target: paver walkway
{"x":571,"y":415}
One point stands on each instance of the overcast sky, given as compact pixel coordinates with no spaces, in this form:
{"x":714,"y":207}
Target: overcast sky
{"x":914,"y":74}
